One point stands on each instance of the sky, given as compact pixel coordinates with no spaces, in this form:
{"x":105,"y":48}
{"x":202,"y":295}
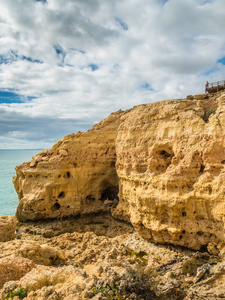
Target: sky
{"x":65,"y":65}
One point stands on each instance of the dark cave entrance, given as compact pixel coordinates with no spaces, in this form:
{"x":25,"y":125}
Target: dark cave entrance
{"x":110,"y":193}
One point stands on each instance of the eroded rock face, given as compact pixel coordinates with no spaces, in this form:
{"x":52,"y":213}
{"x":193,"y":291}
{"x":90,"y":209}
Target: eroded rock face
{"x":169,"y":172}
{"x":7,"y":228}
{"x":171,"y":169}
{"x":74,"y":177}
{"x":13,"y":268}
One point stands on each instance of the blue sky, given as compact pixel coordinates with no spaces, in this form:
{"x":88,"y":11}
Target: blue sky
{"x":65,"y":65}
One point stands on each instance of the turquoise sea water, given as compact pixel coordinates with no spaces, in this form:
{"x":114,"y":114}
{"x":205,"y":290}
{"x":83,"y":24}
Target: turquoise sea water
{"x":8,"y":160}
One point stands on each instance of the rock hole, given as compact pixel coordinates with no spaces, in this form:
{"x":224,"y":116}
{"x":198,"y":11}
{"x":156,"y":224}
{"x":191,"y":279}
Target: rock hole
{"x":200,"y":233}
{"x":203,"y":248}
{"x":202,"y":168}
{"x":110,"y":192}
{"x":183,"y":231}
{"x":180,"y":237}
{"x":55,"y":207}
{"x":210,"y":190}
{"x":165,"y":154}
{"x":75,"y":165}
{"x":61,"y":195}
{"x":59,"y":176}
{"x":67,"y":175}
{"x":184,"y":214}
{"x":68,"y":206}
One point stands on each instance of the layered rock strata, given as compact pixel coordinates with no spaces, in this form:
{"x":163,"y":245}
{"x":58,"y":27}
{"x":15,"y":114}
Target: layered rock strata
{"x":165,"y":159}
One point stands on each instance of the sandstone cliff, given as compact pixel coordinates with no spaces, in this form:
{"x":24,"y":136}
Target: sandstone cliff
{"x":74,"y":177}
{"x":165,"y":159}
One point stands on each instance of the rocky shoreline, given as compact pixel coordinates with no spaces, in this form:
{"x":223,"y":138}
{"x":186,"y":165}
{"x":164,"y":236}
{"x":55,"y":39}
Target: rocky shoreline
{"x":42,"y":261}
{"x":130,"y":209}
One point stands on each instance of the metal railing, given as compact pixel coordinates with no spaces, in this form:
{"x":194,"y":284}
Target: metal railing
{"x":216,"y":83}
{"x":214,"y":86}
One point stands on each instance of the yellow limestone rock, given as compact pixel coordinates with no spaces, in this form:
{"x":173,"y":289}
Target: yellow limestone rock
{"x":73,"y":181}
{"x":13,"y":268}
{"x":170,"y":172}
{"x":171,"y":169}
{"x":7,"y":228}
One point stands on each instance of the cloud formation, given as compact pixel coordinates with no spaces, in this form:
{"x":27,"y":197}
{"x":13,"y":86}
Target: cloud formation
{"x":64,"y":65}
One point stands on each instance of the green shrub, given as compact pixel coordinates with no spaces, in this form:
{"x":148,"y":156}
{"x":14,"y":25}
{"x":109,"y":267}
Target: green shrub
{"x":18,"y":292}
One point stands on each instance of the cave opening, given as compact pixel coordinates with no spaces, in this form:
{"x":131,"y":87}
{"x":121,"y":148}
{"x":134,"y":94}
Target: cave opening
{"x":61,"y":195}
{"x":165,"y":154}
{"x":110,"y":193}
{"x":202,"y":168}
{"x":55,"y":207}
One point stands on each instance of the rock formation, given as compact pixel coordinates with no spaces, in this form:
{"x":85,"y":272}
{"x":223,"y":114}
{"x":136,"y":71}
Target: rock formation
{"x":13,"y":268}
{"x":7,"y":228}
{"x":164,"y":160}
{"x":170,"y":164}
{"x":74,"y":177}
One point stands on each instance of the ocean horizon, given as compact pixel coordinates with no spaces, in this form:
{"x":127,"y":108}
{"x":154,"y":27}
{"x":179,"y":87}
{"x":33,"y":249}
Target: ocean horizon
{"x":9,"y":159}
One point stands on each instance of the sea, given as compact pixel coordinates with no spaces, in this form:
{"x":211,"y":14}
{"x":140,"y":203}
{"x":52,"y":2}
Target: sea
{"x":8,"y":160}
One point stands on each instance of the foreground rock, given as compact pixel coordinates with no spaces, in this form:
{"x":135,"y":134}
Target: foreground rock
{"x":100,"y":267}
{"x":166,"y":160}
{"x":13,"y":268}
{"x":211,"y":288}
{"x":7,"y":228}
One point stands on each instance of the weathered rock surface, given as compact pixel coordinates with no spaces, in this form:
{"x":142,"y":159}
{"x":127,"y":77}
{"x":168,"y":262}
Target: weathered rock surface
{"x":86,"y":266}
{"x":95,"y":266}
{"x":74,"y":177}
{"x":7,"y":228}
{"x":171,"y":169}
{"x":169,"y":172}
{"x":99,"y":224}
{"x":13,"y":268}
{"x":39,"y":253}
{"x":212,"y":288}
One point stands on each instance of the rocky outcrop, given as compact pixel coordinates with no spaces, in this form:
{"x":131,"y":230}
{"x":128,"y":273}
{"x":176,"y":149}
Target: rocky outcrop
{"x":39,"y":253}
{"x":7,"y":228}
{"x":210,"y":288}
{"x":13,"y":268}
{"x":76,"y":176}
{"x":171,"y":169}
{"x":164,"y":160}
{"x":86,"y":266}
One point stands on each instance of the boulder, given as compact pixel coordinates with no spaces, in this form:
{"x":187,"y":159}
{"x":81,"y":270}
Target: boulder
{"x":13,"y":268}
{"x":7,"y":228}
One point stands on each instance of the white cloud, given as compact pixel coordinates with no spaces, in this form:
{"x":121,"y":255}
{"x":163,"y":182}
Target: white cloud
{"x":82,"y":60}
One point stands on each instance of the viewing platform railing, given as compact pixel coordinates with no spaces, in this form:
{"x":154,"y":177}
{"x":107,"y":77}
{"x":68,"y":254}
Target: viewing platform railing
{"x":215,"y":86}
